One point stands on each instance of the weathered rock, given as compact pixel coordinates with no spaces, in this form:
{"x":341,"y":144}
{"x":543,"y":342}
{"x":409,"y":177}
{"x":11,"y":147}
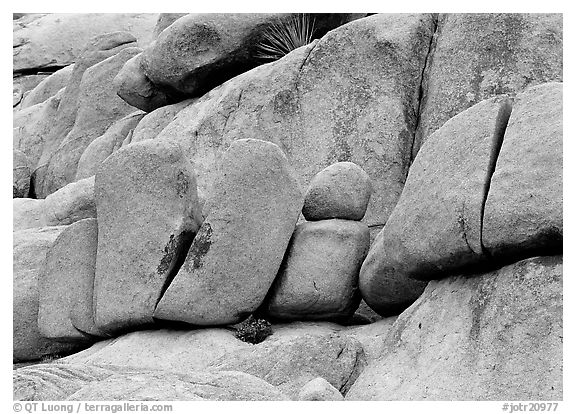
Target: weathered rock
{"x":98,"y":108}
{"x":165,"y":386}
{"x":200,"y":51}
{"x":148,"y":183}
{"x":435,"y":228}
{"x":340,"y":191}
{"x":66,"y":284}
{"x":239,"y":247}
{"x":134,"y":87}
{"x":58,"y":39}
{"x":22,"y":85}
{"x":493,"y":336}
{"x":319,"y":390}
{"x":523,"y":211}
{"x":99,"y":149}
{"x":20,"y":174}
{"x":179,"y":351}
{"x":372,"y":337}
{"x":351,"y":96}
{"x":477,"y":56}
{"x":69,"y":204}
{"x":27,"y":213}
{"x":32,"y":126}
{"x":154,"y":122}
{"x":29,"y":253}
{"x":165,"y":20}
{"x":96,"y":50}
{"x":291,"y":363}
{"x":48,"y":87}
{"x":319,"y":277}
{"x":57,"y":382}
{"x":53,"y":382}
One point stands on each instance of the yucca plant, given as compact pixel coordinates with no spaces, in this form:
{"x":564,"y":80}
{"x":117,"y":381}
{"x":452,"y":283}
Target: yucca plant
{"x":285,"y":35}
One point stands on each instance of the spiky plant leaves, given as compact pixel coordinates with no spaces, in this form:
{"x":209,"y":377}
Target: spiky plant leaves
{"x":285,"y":35}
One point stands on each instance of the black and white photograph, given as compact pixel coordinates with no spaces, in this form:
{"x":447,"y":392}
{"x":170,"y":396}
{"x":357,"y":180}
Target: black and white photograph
{"x":287,"y":206}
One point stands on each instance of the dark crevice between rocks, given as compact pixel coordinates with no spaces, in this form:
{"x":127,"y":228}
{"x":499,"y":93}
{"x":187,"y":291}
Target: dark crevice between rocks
{"x":176,"y":251}
{"x":45,"y":70}
{"x":423,"y":84}
{"x":497,"y":139}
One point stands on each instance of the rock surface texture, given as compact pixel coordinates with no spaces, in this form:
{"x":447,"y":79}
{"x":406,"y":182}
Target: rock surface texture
{"x":319,"y":276}
{"x":351,"y":96}
{"x":436,"y":225}
{"x":492,"y":336}
{"x":477,"y":56}
{"x":66,"y":284}
{"x":30,"y":248}
{"x":40,"y":43}
{"x":147,"y":215}
{"x":523,"y":212}
{"x":238,"y":250}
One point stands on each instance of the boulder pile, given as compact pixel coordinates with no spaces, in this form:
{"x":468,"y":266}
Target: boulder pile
{"x":381,"y":194}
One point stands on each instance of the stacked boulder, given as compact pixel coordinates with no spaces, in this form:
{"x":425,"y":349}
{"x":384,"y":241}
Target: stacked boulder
{"x":319,"y":277}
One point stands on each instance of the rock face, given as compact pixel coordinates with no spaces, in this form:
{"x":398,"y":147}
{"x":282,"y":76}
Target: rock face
{"x":179,"y":351}
{"x":165,"y":20}
{"x":32,"y":126}
{"x":200,"y":51}
{"x":149,"y":182}
{"x":98,"y":108}
{"x":492,"y":336}
{"x":134,"y":87}
{"x":39,"y":43}
{"x":20,"y":174}
{"x":99,"y":149}
{"x":351,"y":96}
{"x":340,"y":191}
{"x":48,"y":87}
{"x":523,"y":212}
{"x":66,"y":284}
{"x":319,"y":277}
{"x":62,"y":121}
{"x":436,"y":225}
{"x":319,"y":390}
{"x":29,"y":253}
{"x":477,"y":56}
{"x":154,"y":122}
{"x":290,"y":363}
{"x":239,"y":248}
{"x":89,"y":383}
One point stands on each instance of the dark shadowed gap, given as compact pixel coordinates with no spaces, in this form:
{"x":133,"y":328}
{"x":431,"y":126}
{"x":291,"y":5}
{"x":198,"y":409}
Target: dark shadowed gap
{"x":45,"y":70}
{"x":177,"y":248}
{"x":497,"y":139}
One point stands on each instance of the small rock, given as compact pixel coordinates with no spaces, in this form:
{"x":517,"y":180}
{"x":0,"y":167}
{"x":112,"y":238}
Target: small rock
{"x":48,"y":87}
{"x":340,"y":191}
{"x":319,"y":390}
{"x":319,"y":277}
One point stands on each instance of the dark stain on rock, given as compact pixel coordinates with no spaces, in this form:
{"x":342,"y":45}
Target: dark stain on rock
{"x":169,"y":253}
{"x":479,"y":302}
{"x":200,"y":247}
{"x":182,"y":184}
{"x":285,"y":103}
